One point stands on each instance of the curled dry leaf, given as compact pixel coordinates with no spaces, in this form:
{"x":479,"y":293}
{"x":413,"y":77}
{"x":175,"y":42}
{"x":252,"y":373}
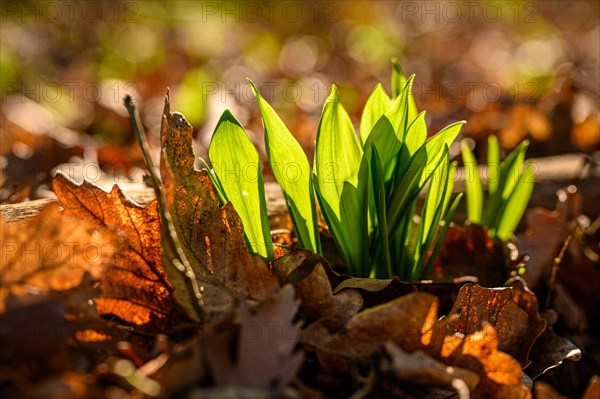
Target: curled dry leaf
{"x":212,"y":237}
{"x":134,"y":287}
{"x":266,"y":359}
{"x":307,"y":273}
{"x":500,"y":374}
{"x":549,"y":351}
{"x":376,"y":291}
{"x":513,"y":313}
{"x":51,"y":253}
{"x":419,"y":368}
{"x":329,"y":296}
{"x":410,"y":322}
{"x":402,"y":321}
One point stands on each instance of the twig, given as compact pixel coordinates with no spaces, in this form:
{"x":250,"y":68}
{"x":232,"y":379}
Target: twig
{"x":180,"y":261}
{"x":555,"y":268}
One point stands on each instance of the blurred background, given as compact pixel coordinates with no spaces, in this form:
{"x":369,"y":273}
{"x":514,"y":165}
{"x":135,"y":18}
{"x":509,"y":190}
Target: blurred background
{"x":518,"y":69}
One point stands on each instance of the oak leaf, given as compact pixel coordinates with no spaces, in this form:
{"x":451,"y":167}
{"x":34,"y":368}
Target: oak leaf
{"x":134,"y":286}
{"x":513,"y":313}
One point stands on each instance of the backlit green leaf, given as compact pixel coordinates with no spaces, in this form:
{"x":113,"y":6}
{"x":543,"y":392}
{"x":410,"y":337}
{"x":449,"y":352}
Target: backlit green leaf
{"x":517,"y":203}
{"x":417,"y":134}
{"x":237,"y":165}
{"x":388,"y":134}
{"x":493,"y":160}
{"x":440,"y":240}
{"x":398,"y":83}
{"x":435,"y":145}
{"x":383,"y":266}
{"x":292,"y":171}
{"x":510,"y":171}
{"x":472,"y":184}
{"x":376,"y":105}
{"x":341,"y":178}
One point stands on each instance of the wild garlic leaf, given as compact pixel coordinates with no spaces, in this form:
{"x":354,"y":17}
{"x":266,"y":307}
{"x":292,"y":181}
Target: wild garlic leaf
{"x":383,"y":266}
{"x":517,"y":203}
{"x":338,"y":153}
{"x":510,"y":171}
{"x":388,"y":134}
{"x":398,"y":83}
{"x":435,"y":145}
{"x":472,"y":184}
{"x":376,"y":105}
{"x":341,"y":177}
{"x":237,"y":165}
{"x":493,"y":161}
{"x":292,"y":171}
{"x":416,"y":134}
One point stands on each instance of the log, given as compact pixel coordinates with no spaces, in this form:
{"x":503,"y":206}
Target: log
{"x":552,"y":173}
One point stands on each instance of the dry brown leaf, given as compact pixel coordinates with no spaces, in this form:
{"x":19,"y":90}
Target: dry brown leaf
{"x":51,"y":253}
{"x":512,"y":312}
{"x":266,"y":359}
{"x":403,"y":321}
{"x":500,"y":374}
{"x":307,"y":273}
{"x":376,"y":291}
{"x":470,"y":251}
{"x":546,"y":232}
{"x":134,"y":287}
{"x":593,"y":389}
{"x":212,"y":237}
{"x":419,"y":368}
{"x":410,"y":323}
{"x":543,"y":390}
{"x":549,"y":351}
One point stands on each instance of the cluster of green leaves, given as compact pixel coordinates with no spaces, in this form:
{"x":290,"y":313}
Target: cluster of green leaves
{"x":510,"y":185}
{"x":367,"y":188}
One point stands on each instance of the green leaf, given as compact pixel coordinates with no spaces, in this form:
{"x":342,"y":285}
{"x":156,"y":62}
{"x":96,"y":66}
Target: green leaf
{"x":348,"y":222}
{"x":493,"y":161}
{"x":341,"y":177}
{"x":512,"y":168}
{"x":417,"y":134}
{"x":388,"y":135}
{"x":407,"y":188}
{"x":383,"y":270}
{"x":215,"y":181}
{"x":338,"y":153}
{"x":237,"y":165}
{"x":431,"y":214}
{"x":472,"y":184}
{"x":451,"y":179}
{"x":292,"y":171}
{"x":517,"y":203}
{"x":376,"y":105}
{"x":436,"y":196}
{"x":440,"y":240}
{"x":435,"y":145}
{"x":510,"y":171}
{"x":398,"y":83}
